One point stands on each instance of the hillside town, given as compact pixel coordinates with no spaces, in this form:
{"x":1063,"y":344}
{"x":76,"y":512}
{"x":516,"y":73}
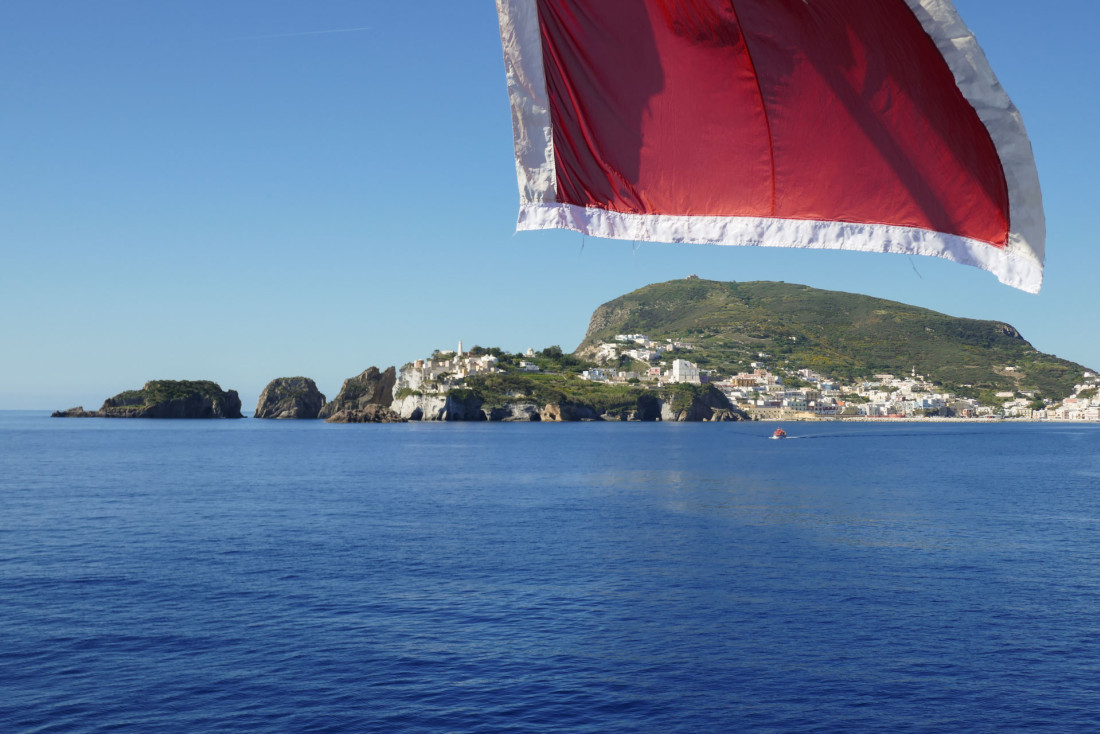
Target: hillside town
{"x":763,"y":392}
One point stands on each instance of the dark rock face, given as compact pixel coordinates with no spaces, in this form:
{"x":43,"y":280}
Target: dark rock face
{"x":704,"y":406}
{"x":167,"y":399}
{"x":368,"y":414}
{"x":566,"y":412}
{"x":708,"y":404}
{"x":649,"y":408}
{"x":290,"y":398}
{"x":463,"y":406}
{"x":515,"y":413}
{"x":191,"y":406}
{"x":371,"y":387}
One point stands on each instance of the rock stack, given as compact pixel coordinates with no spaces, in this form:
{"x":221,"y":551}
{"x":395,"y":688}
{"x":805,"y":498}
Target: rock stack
{"x":290,"y":398}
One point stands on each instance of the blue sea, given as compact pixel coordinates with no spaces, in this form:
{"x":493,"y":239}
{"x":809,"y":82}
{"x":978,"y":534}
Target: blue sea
{"x":263,"y":576}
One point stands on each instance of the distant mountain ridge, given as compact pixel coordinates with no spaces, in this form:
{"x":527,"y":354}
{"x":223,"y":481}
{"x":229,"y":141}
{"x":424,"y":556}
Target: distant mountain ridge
{"x":841,"y":335}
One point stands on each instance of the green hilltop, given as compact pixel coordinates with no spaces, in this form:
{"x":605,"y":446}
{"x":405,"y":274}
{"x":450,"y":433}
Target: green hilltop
{"x":840,"y":335}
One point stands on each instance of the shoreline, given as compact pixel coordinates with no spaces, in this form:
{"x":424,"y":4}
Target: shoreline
{"x":791,"y":420}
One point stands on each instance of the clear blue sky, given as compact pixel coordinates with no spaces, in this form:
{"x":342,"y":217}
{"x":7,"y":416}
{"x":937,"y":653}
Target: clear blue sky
{"x":193,"y":189}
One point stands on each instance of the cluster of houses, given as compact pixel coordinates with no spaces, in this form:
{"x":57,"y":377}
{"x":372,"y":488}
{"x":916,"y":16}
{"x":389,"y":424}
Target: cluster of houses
{"x":679,"y":370}
{"x":763,"y":394}
{"x":447,"y":369}
{"x":639,"y":347}
{"x":1083,"y":406}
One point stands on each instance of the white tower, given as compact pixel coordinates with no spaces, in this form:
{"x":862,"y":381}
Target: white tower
{"x":459,"y":348}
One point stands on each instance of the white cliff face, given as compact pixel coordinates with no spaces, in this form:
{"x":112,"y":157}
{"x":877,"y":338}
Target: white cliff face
{"x":437,"y":408}
{"x":442,"y":408}
{"x":421,"y":407}
{"x":409,"y":378}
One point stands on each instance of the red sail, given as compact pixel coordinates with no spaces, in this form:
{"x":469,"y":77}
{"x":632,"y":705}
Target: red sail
{"x":850,"y":124}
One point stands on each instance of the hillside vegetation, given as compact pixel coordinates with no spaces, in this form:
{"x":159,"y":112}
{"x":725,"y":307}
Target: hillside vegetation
{"x":841,"y":335}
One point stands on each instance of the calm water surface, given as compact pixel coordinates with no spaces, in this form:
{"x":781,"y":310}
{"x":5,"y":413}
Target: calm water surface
{"x":261,"y":576}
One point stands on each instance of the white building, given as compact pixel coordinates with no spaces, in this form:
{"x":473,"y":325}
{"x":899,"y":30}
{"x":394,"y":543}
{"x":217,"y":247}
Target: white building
{"x":684,"y":371}
{"x":599,"y":374}
{"x":642,"y":355}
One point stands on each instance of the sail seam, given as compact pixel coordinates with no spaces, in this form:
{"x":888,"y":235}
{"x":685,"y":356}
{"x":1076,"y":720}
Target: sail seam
{"x":763,"y":104}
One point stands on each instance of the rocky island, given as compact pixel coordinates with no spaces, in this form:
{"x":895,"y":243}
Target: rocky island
{"x":290,"y":398}
{"x":166,"y":399}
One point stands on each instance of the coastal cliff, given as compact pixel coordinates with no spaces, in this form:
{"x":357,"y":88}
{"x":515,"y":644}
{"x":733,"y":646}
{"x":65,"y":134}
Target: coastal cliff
{"x":528,"y":401}
{"x":371,"y":413}
{"x":457,"y":405}
{"x":365,"y":398}
{"x":698,"y":403}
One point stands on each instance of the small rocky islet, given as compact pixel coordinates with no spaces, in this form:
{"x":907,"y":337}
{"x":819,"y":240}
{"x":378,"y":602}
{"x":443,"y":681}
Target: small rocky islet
{"x":290,"y":398}
{"x":166,"y":399}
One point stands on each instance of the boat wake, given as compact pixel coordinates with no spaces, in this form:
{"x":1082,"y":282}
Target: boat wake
{"x":789,"y":437}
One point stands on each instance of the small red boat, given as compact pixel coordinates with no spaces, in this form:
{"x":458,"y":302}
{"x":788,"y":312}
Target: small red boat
{"x":779,"y":433}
